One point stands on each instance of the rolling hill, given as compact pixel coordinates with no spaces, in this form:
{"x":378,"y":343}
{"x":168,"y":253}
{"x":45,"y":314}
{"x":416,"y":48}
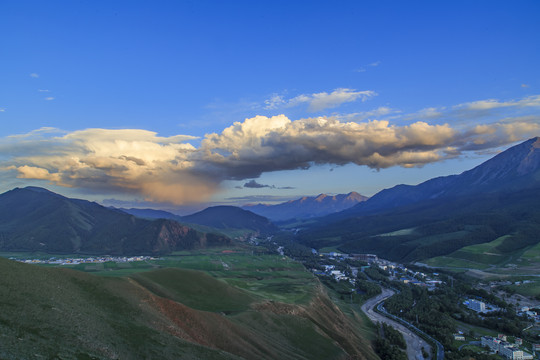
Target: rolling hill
{"x":307,"y":207}
{"x":35,"y":219}
{"x":162,"y":314}
{"x":499,"y":198}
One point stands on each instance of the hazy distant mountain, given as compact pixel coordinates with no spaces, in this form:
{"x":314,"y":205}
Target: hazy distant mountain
{"x":497,"y":198}
{"x":307,"y":207}
{"x":150,"y":213}
{"x":36,"y":219}
{"x":217,"y":217}
{"x":231,"y":217}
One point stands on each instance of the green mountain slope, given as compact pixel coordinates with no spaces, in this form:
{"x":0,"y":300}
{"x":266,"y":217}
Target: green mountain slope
{"x":60,"y":313}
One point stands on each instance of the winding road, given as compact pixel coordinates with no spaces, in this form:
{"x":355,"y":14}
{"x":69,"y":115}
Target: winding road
{"x":414,"y":342}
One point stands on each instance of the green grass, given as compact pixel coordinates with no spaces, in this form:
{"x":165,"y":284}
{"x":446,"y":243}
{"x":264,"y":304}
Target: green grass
{"x":60,"y":313}
{"x":474,"y":348}
{"x":488,"y":256}
{"x":479,"y":331}
{"x":446,"y":261}
{"x":479,"y":256}
{"x":195,"y":289}
{"x":399,"y":232}
{"x":531,"y":289}
{"x":426,"y":240}
{"x":489,"y":247}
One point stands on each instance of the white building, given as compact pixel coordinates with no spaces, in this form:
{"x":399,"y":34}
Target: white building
{"x":491,"y":343}
{"x":478,"y":306}
{"x":509,"y":351}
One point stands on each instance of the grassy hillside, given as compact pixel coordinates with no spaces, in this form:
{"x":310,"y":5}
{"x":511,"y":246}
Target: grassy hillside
{"x":56,"y":313}
{"x":195,"y":289}
{"x":173,"y":313}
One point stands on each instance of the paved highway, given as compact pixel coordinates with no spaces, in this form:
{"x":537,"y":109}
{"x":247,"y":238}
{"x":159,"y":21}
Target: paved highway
{"x":414,"y":342}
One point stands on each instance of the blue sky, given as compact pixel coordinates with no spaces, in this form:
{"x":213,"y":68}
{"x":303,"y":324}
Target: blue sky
{"x":132,"y":102}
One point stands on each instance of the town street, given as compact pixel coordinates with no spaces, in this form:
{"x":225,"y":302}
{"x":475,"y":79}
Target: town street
{"x":414,"y":342}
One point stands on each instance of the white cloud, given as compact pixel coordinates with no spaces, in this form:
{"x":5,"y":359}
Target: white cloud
{"x":34,"y":75}
{"x":530,"y":101}
{"x":319,"y":101}
{"x":2,"y":109}
{"x":365,"y":67}
{"x":324,"y":100}
{"x":274,"y":102}
{"x":382,"y":111}
{"x":49,"y":98}
{"x":428,"y":113}
{"x":43,"y":90}
{"x":488,"y":108}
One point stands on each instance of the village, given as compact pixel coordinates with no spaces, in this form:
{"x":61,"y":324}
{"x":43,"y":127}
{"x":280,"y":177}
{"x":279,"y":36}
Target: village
{"x":397,"y":272}
{"x":337,"y":266}
{"x":88,"y":260}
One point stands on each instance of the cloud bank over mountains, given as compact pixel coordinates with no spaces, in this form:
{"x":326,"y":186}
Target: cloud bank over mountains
{"x":172,"y":169}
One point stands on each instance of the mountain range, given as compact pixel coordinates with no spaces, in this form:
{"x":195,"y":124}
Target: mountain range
{"x":517,"y":168}
{"x":35,"y":219}
{"x":497,"y":199}
{"x":307,"y":207}
{"x":216,"y":217}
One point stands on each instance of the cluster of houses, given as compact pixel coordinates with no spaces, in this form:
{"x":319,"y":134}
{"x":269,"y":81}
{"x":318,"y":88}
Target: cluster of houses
{"x":530,"y":313}
{"x":396,"y":271}
{"x":369,"y":258}
{"x":501,"y":346}
{"x":408,"y":276}
{"x":330,"y":270}
{"x":337,"y":274}
{"x":88,"y":260}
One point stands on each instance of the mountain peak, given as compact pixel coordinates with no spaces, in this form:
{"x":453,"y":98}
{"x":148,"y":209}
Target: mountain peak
{"x":39,"y":190}
{"x":308,"y":207}
{"x":517,"y":161}
{"x":356,"y":197}
{"x":516,"y":168}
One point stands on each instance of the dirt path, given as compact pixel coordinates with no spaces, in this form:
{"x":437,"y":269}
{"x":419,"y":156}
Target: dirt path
{"x":414,"y":342}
